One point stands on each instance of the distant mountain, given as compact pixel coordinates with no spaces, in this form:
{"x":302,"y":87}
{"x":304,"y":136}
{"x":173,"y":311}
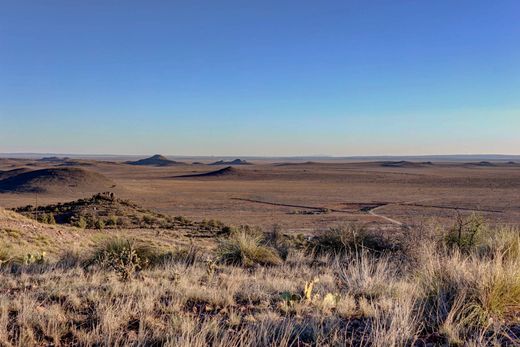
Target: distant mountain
{"x":233,"y":162}
{"x":156,"y":160}
{"x":53,"y":159}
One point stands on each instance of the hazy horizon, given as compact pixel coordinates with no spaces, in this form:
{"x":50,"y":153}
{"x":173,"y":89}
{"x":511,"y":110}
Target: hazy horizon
{"x":106,"y":156}
{"x":298,"y":78}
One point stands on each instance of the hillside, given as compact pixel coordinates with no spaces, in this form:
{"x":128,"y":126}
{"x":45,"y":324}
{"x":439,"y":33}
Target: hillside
{"x":405,"y":164}
{"x":232,"y":162}
{"x":10,"y":173}
{"x":56,"y":179}
{"x":105,"y":211}
{"x":156,"y":160}
{"x":225,"y":172}
{"x":21,"y":235}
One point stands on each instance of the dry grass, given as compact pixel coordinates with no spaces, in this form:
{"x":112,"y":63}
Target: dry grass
{"x":242,"y":248}
{"x":440,"y":296}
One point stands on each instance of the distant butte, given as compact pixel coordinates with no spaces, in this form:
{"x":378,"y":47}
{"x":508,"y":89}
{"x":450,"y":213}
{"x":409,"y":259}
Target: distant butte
{"x":156,"y":160}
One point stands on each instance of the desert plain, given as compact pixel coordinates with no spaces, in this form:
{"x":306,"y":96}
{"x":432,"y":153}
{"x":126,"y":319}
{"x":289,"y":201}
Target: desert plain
{"x":300,"y":196}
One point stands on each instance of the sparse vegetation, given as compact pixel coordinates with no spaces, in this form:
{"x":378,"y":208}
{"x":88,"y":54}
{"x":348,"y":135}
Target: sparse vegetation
{"x":347,"y":286}
{"x":245,"y":249}
{"x":122,"y":256}
{"x":355,"y":298}
{"x":350,"y":238}
{"x":105,"y":211}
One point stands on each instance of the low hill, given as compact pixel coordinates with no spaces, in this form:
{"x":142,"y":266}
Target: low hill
{"x":104,"y":210}
{"x":225,"y":172}
{"x":76,"y":163}
{"x":405,"y":164}
{"x":156,"y":160}
{"x":307,"y":163}
{"x":10,"y":173}
{"x":99,"y":210}
{"x":232,"y":162}
{"x":56,"y":179}
{"x":482,"y":163}
{"x":53,"y":159}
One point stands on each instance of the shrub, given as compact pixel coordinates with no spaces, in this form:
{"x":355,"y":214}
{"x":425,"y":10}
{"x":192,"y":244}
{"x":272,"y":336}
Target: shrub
{"x":51,"y":219}
{"x":182,"y":220}
{"x":276,"y":239}
{"x":347,"y":239}
{"x":38,"y":258}
{"x":99,"y":224}
{"x":123,"y":256}
{"x":466,"y":233}
{"x":149,"y":220}
{"x":111,"y":221}
{"x":43,"y":218}
{"x":81,"y":222}
{"x":246,"y":250}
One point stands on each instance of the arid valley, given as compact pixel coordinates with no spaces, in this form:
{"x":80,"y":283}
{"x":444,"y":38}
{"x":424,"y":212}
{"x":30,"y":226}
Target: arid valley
{"x":300,"y":196}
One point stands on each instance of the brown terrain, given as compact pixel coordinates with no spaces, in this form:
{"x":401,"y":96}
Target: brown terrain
{"x":300,"y":196}
{"x":157,"y":252}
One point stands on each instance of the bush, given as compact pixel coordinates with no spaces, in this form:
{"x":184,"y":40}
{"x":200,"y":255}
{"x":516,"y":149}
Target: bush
{"x":347,"y":239}
{"x":246,"y":250}
{"x":123,"y":256}
{"x":276,"y":239}
{"x":112,"y":221}
{"x":149,"y":220}
{"x":466,"y":233}
{"x":99,"y":224}
{"x":51,"y":219}
{"x":81,"y":222}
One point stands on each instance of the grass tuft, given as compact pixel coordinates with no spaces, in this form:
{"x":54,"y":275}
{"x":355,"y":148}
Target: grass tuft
{"x":244,"y":249}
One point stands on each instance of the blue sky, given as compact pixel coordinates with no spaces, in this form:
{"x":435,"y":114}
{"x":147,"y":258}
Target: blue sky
{"x":260,"y":77}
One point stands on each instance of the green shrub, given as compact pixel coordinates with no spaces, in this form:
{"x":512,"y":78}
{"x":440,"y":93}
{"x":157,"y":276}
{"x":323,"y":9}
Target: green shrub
{"x":43,"y":218}
{"x":244,"y":249}
{"x":38,"y":258}
{"x":123,"y":256}
{"x":466,"y":233}
{"x":81,"y":222}
{"x":99,"y":224}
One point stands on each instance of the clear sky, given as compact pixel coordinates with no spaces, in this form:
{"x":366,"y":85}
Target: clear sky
{"x":265,"y":77}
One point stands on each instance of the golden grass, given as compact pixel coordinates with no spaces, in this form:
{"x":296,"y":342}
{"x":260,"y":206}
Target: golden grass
{"x":245,"y":249}
{"x":440,"y":295}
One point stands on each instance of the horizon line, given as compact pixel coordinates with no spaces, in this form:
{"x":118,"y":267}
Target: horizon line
{"x":498,"y":155}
